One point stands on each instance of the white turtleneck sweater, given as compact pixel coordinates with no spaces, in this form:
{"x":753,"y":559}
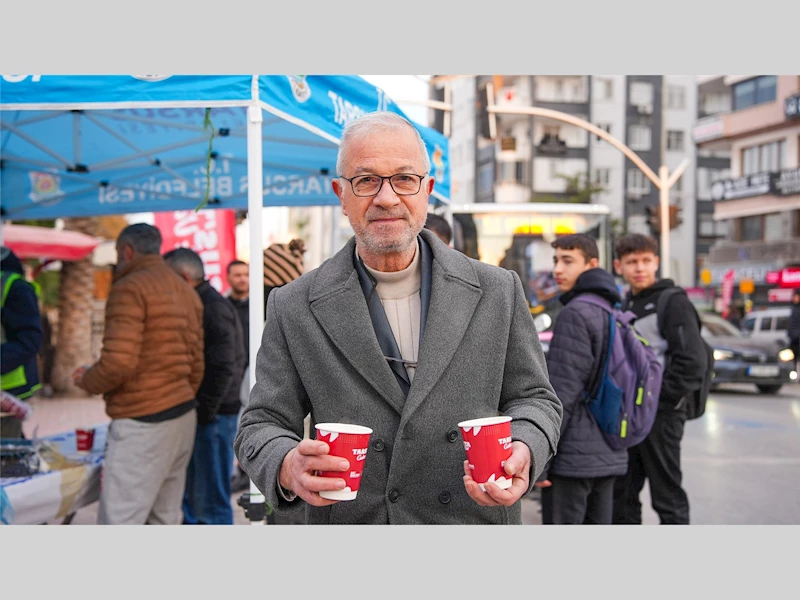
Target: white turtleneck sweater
{"x":399,"y":294}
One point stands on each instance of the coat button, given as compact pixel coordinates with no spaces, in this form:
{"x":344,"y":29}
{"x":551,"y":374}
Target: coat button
{"x":378,"y":445}
{"x":452,"y":435}
{"x":394,"y":495}
{"x":444,"y":497}
{"x":251,"y":450}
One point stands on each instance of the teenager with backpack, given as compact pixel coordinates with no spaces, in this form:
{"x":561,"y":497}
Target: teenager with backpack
{"x":676,"y":339}
{"x":578,"y":484}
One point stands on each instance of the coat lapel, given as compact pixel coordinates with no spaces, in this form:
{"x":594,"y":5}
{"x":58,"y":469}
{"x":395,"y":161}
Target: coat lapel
{"x":455,"y":293}
{"x":339,"y":306}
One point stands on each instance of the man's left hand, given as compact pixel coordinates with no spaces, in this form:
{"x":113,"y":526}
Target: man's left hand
{"x":518,"y":466}
{"x":77,"y":375}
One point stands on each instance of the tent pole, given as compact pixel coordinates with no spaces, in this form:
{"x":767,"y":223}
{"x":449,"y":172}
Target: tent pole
{"x":255,"y":503}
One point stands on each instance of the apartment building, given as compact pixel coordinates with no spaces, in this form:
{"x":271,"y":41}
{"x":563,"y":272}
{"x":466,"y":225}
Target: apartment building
{"x":757,"y":207}
{"x":538,"y":159}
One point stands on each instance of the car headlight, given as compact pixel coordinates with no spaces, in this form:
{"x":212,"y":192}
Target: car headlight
{"x":786,"y":355}
{"x":722,"y":354}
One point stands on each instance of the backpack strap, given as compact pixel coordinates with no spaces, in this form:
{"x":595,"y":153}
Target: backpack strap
{"x":661,"y":306}
{"x":597,"y":383}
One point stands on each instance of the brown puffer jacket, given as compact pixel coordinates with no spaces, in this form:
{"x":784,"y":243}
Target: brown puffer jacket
{"x":152,"y":356}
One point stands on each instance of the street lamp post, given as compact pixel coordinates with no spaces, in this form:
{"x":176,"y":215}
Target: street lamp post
{"x":663,"y":181}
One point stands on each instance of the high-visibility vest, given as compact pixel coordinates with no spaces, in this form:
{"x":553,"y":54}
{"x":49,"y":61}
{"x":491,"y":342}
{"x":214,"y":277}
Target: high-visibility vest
{"x":16,"y":378}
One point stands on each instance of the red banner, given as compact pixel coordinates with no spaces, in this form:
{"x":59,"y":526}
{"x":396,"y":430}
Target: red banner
{"x":210,"y":233}
{"x":727,"y":292}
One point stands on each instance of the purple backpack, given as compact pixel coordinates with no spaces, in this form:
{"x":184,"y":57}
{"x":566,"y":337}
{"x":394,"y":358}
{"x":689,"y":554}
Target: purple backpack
{"x":629,"y":385}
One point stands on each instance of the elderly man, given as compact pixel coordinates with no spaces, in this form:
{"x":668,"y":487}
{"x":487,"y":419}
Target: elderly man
{"x":150,"y":369}
{"x":402,"y":334}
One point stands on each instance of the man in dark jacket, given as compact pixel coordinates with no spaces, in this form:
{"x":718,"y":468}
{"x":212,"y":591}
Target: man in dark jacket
{"x":21,"y":337}
{"x":581,"y":475}
{"x":238,"y":274}
{"x":207,"y":499}
{"x":679,"y":348}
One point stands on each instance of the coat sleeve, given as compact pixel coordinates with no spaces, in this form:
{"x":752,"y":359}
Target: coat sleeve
{"x":685,"y":359}
{"x":571,"y":360}
{"x":122,"y":341}
{"x":527,"y":395}
{"x":272,"y":421}
{"x":220,"y":349}
{"x":22,"y":324}
{"x":198,"y":348}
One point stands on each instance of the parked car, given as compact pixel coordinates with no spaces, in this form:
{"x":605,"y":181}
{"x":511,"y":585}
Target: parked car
{"x":741,"y":359}
{"x":768,"y":324}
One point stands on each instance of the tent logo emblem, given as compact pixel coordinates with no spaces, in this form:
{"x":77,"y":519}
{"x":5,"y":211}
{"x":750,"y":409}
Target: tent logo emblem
{"x":300,"y":89}
{"x":151,"y":77}
{"x":44,"y":186}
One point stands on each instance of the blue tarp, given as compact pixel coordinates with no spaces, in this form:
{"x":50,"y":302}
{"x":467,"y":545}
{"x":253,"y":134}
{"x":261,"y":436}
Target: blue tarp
{"x":85,"y":145}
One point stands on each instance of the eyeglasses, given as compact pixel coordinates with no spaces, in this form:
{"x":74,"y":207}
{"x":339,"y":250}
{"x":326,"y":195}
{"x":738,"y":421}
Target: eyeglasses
{"x":403,"y":184}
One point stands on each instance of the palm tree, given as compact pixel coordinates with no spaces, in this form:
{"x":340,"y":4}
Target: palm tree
{"x":75,"y":307}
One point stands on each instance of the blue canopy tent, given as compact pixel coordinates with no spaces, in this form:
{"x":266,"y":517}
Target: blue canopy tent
{"x":86,"y":145}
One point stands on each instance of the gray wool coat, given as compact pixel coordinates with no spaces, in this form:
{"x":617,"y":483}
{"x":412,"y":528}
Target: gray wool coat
{"x":480,"y":356}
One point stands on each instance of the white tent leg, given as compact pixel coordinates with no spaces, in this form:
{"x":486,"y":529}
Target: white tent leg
{"x":255,"y":209}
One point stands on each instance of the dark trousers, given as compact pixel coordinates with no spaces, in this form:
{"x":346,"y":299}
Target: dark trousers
{"x":578,"y":501}
{"x":207,"y":496}
{"x":658,"y":460}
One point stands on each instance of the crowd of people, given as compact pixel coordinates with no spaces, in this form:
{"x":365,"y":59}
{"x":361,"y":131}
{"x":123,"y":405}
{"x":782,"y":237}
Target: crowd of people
{"x":398,"y":332}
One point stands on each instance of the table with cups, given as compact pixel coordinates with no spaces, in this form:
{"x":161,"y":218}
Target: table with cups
{"x":70,"y":483}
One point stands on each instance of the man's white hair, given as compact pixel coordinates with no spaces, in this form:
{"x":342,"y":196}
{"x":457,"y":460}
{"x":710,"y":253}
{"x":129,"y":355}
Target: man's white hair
{"x":369,"y":123}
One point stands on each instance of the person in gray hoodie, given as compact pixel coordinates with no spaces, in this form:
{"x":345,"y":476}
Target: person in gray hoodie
{"x":578,"y":486}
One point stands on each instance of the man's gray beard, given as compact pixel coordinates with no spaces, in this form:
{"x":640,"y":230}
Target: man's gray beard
{"x":379,"y":245}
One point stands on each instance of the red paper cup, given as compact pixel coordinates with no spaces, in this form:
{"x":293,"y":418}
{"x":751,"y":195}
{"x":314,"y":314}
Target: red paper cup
{"x":84,"y":440}
{"x":488,"y":446}
{"x":349,"y":442}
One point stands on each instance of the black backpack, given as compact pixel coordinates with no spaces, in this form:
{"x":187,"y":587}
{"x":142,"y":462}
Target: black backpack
{"x":696,"y":404}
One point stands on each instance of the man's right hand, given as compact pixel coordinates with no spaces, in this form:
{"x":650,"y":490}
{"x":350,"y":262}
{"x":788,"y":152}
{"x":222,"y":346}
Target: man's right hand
{"x":298,"y":472}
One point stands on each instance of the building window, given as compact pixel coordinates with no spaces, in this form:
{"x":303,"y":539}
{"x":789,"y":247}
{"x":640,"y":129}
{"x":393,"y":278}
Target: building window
{"x":755,"y":91}
{"x":485,"y":179}
{"x":602,"y":176}
{"x":751,"y":228}
{"x":773,"y":226}
{"x":709,"y":228}
{"x":641,"y":96}
{"x":676,"y":97}
{"x":713,"y":103}
{"x":763,"y":158}
{"x":603,"y":88}
{"x":605,"y":127}
{"x":638,"y":184}
{"x":674,"y":140}
{"x":639,"y":137}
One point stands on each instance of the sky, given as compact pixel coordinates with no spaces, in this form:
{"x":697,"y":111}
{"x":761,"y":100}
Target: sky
{"x":405,"y":87}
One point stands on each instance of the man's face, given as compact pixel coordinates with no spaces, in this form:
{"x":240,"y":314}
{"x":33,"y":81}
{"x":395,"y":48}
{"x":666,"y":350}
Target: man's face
{"x":385,"y":223}
{"x":124,"y":255}
{"x":239,"y":279}
{"x":638,"y":269}
{"x":567,"y":267}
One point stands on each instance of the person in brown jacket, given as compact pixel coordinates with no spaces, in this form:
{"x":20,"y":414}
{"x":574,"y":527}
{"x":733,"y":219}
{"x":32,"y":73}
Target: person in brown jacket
{"x":149,"y":371}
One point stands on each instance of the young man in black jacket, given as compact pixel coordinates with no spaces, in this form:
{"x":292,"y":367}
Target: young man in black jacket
{"x":679,"y":348}
{"x":581,"y":475}
{"x":207,"y":499}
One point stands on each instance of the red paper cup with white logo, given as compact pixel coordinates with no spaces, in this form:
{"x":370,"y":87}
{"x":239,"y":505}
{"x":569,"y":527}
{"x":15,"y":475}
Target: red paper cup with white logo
{"x":349,"y":442}
{"x":84,"y":440}
{"x":488,"y":446}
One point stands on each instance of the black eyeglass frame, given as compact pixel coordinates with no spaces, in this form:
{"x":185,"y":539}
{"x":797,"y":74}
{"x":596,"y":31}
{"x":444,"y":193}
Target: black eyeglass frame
{"x":382,"y":178}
